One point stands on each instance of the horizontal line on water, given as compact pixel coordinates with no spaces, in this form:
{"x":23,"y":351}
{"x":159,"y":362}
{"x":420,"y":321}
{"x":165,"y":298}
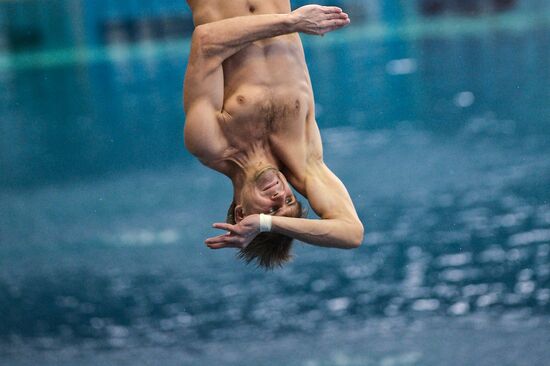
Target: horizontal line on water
{"x":443,"y":27}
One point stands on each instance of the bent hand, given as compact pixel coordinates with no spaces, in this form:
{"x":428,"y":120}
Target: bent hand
{"x":318,"y":20}
{"x":237,"y":236}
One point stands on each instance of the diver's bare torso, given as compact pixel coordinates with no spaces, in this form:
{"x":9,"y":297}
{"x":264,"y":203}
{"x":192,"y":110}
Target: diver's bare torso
{"x":268,"y":97}
{"x":249,"y":108}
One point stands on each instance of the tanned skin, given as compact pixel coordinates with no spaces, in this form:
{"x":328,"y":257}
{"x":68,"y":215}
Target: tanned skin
{"x":250,"y":115}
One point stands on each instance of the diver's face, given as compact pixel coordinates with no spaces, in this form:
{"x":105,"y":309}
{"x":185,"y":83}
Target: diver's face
{"x":268,"y":193}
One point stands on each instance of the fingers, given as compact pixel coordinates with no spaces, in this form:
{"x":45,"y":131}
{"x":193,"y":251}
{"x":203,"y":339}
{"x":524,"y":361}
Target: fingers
{"x":217,"y":239}
{"x":222,"y":245}
{"x":224,"y":238}
{"x":230,"y":239}
{"x":330,"y":25}
{"x":336,"y":16}
{"x":223,"y":241}
{"x":224,"y":226}
{"x":335,"y":23}
{"x":332,"y":9}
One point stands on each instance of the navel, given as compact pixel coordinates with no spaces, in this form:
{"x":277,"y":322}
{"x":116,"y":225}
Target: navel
{"x":297,"y":104}
{"x":241,"y":99}
{"x":252,"y":8}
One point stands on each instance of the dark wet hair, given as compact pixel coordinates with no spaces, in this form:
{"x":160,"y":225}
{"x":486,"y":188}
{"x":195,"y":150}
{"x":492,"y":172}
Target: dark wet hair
{"x":267,"y":250}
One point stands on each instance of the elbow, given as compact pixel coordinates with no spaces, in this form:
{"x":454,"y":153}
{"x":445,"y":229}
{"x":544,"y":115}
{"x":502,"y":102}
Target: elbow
{"x":202,"y":40}
{"x":199,"y":40}
{"x":357,"y":233}
{"x":190,"y":145}
{"x":190,"y":141}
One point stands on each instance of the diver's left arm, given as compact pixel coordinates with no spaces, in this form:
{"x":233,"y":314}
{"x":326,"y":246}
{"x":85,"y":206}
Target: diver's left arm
{"x":338,"y":226}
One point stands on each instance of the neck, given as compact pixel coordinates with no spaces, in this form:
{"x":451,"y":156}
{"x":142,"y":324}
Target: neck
{"x":248,"y":164}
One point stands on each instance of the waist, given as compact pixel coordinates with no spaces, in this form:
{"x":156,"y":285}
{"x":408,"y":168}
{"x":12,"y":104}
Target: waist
{"x":273,"y":62}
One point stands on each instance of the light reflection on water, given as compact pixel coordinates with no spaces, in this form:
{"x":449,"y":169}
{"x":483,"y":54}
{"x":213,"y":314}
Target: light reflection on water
{"x":434,"y":245}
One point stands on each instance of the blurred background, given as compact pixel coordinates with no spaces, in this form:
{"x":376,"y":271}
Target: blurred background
{"x":434,"y":113}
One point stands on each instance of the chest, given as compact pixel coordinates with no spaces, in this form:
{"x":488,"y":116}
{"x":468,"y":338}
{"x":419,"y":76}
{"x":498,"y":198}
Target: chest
{"x":255,"y":112}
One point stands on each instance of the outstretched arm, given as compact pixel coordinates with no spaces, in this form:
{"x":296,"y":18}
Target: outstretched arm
{"x":339,"y":226}
{"x":212,"y":43}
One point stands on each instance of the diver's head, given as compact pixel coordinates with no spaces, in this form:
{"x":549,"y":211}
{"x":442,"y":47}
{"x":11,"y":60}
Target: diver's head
{"x":267,"y":192}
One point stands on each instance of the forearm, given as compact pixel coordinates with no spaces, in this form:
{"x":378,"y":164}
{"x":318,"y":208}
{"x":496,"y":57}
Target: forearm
{"x":226,"y":37}
{"x":335,"y":233}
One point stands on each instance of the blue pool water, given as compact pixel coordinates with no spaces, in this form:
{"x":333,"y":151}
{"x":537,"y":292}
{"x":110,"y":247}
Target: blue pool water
{"x":442,"y":141}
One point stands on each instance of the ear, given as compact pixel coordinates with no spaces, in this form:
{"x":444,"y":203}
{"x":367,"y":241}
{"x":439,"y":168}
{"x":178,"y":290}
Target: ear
{"x":239,"y":213}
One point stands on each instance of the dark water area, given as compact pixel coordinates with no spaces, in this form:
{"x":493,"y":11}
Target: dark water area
{"x":442,"y":142}
{"x":84,"y":120}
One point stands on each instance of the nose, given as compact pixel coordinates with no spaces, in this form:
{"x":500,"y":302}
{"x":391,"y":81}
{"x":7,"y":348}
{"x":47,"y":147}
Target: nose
{"x":278,"y":194}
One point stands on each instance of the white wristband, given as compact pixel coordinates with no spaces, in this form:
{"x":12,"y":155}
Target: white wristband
{"x":265,"y":223}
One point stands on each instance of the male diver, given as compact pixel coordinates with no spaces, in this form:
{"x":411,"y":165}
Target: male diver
{"x":250,"y":116}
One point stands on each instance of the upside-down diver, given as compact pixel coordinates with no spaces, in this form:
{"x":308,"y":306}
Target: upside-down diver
{"x":250,"y":115}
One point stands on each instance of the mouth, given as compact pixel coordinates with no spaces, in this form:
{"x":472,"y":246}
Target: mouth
{"x":267,"y":179}
{"x":270,"y":185}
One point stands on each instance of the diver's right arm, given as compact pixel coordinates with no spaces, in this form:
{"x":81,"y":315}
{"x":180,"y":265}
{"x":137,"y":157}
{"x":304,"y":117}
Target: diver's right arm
{"x":211,"y":44}
{"x":224,"y":38}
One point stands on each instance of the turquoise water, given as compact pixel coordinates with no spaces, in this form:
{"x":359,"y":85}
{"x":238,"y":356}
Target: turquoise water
{"x":441,"y":138}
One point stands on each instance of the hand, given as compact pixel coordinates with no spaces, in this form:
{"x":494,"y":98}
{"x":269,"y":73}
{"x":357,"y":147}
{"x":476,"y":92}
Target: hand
{"x":237,"y":236}
{"x":318,"y":20}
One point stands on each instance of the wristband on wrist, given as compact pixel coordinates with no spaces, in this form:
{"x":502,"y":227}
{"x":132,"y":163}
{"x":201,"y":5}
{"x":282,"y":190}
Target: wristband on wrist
{"x":265,"y":223}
